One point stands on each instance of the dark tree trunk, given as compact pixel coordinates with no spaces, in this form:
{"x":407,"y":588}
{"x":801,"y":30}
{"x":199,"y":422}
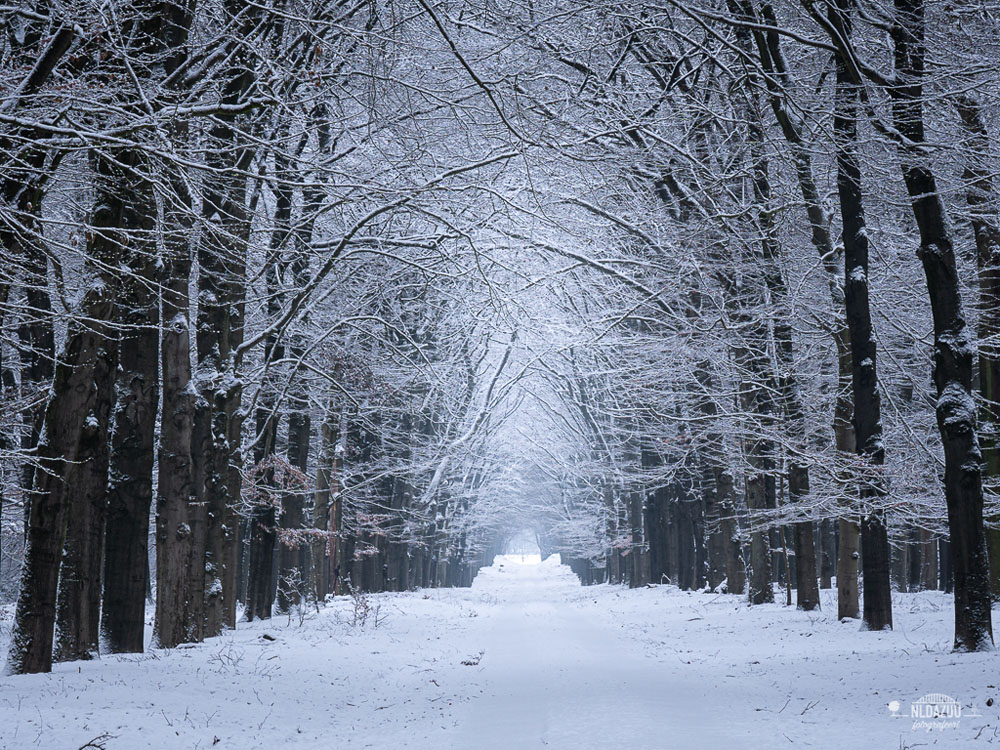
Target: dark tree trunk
{"x":130,"y":486}
{"x":848,"y":558}
{"x":637,"y":554}
{"x":928,"y":561}
{"x":294,"y":554}
{"x":24,"y":175}
{"x":401,"y":496}
{"x":7,"y":387}
{"x":981,"y":199}
{"x":756,"y":404}
{"x":759,"y":451}
{"x":261,"y":583}
{"x":945,"y":578}
{"x":336,"y":524}
{"x":736,"y":576}
{"x":953,"y":348}
{"x":725,"y":557}
{"x":74,"y":401}
{"x":127,"y":196}
{"x":877,"y":612}
{"x":78,"y":607}
{"x":756,"y":397}
{"x":807,"y":590}
{"x":323,"y":547}
{"x":222,"y":294}
{"x":655,"y":520}
{"x":293,"y":564}
{"x":828,"y":553}
{"x":176,"y":501}
{"x":231,"y":521}
{"x":687,"y":577}
{"x":848,"y":530}
{"x":761,"y":590}
{"x":163,"y":32}
{"x":36,"y":345}
{"x":913,"y":561}
{"x":69,"y":407}
{"x":900,"y":567}
{"x":716,"y":545}
{"x":806,"y":585}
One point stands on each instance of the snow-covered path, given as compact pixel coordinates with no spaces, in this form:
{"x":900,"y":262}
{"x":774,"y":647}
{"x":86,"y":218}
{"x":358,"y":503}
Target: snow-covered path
{"x":553,"y":675}
{"x":525,"y":659}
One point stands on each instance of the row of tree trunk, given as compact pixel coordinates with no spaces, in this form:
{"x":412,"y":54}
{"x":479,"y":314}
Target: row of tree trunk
{"x":691,"y":530}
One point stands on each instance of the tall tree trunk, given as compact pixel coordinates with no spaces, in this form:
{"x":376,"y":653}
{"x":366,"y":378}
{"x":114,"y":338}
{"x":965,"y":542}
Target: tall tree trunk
{"x":637,"y":553}
{"x":176,"y":501}
{"x":757,"y":447}
{"x":7,"y":441}
{"x":73,"y":401}
{"x":928,"y":561}
{"x":230,"y":527}
{"x":953,"y":348}
{"x":981,"y":199}
{"x":293,"y":563}
{"x":401,"y":495}
{"x":828,"y":553}
{"x":177,"y":506}
{"x":78,"y":606}
{"x":263,"y":521}
{"x":26,"y":172}
{"x":294,"y":557}
{"x":716,"y":545}
{"x":336,"y":522}
{"x":736,"y":576}
{"x":877,"y":612}
{"x":914,"y":565}
{"x":37,"y":347}
{"x":262,"y":586}
{"x":756,"y":399}
{"x":130,"y":485}
{"x":219,"y":332}
{"x":79,"y":602}
{"x":848,"y":529}
{"x":725,"y":554}
{"x":761,"y":590}
{"x":322,"y":547}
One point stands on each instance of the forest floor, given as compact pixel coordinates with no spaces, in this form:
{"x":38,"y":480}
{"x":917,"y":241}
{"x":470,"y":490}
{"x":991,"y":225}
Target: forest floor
{"x":525,"y":659}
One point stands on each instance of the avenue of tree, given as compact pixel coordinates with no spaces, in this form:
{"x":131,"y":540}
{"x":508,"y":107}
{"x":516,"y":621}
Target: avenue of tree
{"x":306,"y":297}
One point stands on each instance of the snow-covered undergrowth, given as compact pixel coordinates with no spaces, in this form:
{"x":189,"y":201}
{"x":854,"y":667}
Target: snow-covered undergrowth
{"x":525,"y":659}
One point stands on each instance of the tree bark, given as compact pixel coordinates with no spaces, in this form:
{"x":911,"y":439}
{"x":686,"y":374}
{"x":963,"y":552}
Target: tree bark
{"x":69,"y":415}
{"x":928,"y":561}
{"x":176,"y":502}
{"x":262,"y":586}
{"x":219,"y":332}
{"x":294,"y":557}
{"x":126,"y":195}
{"x":953,"y":349}
{"x":78,"y":606}
{"x":981,"y":199}
{"x":130,"y":485}
{"x":37,"y":348}
{"x":877,"y":611}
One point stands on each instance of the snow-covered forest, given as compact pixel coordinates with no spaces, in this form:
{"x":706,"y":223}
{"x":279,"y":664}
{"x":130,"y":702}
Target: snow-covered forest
{"x":310,"y":307}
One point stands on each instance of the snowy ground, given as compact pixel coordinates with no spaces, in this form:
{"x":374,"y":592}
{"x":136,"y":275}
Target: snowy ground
{"x":525,"y":659}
